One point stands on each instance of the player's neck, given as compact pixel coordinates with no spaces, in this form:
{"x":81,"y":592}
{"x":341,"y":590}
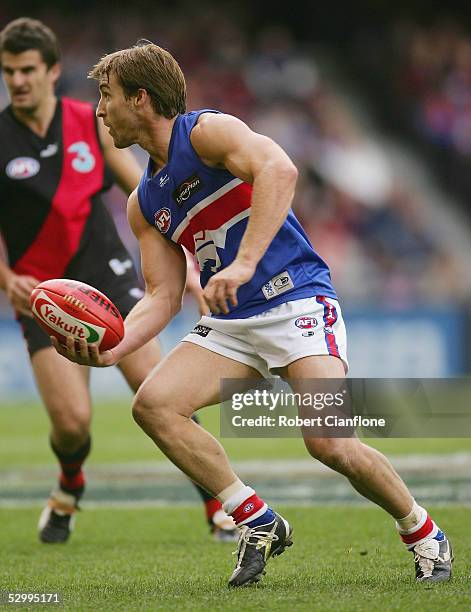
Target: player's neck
{"x":155,"y":139}
{"x":39,"y":119}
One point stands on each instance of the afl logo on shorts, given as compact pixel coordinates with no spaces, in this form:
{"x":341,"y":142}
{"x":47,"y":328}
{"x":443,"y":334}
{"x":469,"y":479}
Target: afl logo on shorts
{"x":306,"y":322}
{"x":162,"y":220}
{"x":22,"y":168}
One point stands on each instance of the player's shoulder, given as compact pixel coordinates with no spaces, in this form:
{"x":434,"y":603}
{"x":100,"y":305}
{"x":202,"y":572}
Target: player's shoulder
{"x":214,"y":123}
{"x":78,"y":105}
{"x":209,"y":117}
{"x":5,"y":118}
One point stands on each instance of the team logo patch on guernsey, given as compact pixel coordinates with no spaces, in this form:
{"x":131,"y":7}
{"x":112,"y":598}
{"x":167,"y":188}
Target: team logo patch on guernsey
{"x":22,"y":168}
{"x":277,"y":285}
{"x":185,"y":190}
{"x":201,"y":330}
{"x":306,"y":322}
{"x":162,"y":220}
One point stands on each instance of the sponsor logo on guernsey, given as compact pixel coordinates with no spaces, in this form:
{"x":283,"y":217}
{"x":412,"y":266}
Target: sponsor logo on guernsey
{"x":306,"y":322}
{"x":185,"y":190}
{"x":136,"y":292}
{"x":50,"y":150}
{"x":277,"y":285}
{"x":22,"y":168}
{"x":120,"y":267}
{"x":84,"y":160}
{"x":201,"y":330}
{"x":63,"y":323}
{"x":164,"y":180}
{"x":163,"y":219}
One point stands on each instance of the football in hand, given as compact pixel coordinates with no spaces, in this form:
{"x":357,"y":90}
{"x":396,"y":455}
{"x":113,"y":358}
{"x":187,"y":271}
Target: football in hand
{"x":65,"y":307}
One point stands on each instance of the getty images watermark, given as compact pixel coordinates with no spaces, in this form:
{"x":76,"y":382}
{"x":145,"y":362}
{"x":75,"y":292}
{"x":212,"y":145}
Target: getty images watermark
{"x":343,"y":407}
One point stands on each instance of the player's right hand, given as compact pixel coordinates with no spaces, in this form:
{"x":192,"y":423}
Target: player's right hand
{"x":83,"y":353}
{"x":18,"y":288}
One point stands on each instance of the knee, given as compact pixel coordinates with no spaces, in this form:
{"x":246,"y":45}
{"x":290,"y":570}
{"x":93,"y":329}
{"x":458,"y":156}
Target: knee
{"x":152,"y":411}
{"x":70,"y":427}
{"x":338,"y":454}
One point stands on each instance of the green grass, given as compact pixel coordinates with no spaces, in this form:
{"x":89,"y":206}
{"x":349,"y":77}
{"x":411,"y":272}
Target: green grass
{"x":24,"y":429}
{"x":153,"y":559}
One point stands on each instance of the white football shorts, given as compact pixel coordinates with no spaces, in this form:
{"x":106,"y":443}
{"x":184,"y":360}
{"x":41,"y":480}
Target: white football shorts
{"x":277,"y":337}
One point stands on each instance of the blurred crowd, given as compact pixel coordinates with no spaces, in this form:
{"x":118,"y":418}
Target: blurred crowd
{"x":375,"y":231}
{"x":434,"y":66}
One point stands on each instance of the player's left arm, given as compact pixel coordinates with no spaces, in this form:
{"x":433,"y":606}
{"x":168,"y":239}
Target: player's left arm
{"x":122,"y":162}
{"x":225,"y":141}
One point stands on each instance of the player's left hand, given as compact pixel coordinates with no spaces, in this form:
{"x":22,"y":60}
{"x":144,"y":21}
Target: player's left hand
{"x":83,"y":353}
{"x":222,"y":287}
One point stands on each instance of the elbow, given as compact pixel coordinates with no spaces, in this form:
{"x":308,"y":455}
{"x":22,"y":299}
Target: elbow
{"x":291,"y":173}
{"x":286,"y":172}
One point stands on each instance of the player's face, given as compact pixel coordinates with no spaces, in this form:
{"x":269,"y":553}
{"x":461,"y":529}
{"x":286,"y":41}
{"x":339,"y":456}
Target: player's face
{"x":117,"y":114}
{"x":28,"y":79}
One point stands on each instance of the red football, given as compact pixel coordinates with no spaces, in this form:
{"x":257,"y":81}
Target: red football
{"x":65,"y":307}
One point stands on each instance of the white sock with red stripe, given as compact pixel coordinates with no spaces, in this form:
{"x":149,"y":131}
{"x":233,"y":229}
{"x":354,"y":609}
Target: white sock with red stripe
{"x":245,"y":506}
{"x":417,"y":527}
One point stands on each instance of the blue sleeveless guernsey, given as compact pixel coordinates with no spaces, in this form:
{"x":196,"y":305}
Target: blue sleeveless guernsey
{"x":206,"y":210}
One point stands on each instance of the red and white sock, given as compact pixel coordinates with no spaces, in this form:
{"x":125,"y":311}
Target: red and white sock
{"x":212,"y":506}
{"x":416,"y":527}
{"x":242,"y":503}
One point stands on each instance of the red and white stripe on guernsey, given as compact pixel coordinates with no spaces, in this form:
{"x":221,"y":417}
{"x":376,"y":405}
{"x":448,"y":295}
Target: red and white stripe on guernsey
{"x":249,"y":510}
{"x":422,"y":531}
{"x":58,"y":239}
{"x":330,"y":318}
{"x":225,"y":207}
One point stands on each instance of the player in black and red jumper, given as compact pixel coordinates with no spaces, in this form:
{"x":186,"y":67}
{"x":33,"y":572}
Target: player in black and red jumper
{"x":56,"y":159}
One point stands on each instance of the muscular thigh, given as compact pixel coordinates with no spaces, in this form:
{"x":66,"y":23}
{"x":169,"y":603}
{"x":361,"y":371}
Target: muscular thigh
{"x":189,"y":378}
{"x":321,"y":367}
{"x":137,"y":366}
{"x":314,"y":366}
{"x":63,"y":385}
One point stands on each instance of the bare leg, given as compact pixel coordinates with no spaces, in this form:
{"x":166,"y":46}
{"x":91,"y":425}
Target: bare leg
{"x":369,"y":472}
{"x":63,"y":386}
{"x":186,"y":380}
{"x":64,"y":389}
{"x":137,"y":366}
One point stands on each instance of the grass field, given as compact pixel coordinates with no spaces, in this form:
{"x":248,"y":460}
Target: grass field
{"x":151,"y":558}
{"x":24,"y":427}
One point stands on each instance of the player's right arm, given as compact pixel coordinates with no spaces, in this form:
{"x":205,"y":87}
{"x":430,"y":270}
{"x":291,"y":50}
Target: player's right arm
{"x":163,"y":265}
{"x":17,"y":287}
{"x":164,"y":269}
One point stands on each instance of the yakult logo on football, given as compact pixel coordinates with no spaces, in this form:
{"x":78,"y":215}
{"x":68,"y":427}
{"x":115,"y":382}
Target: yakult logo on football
{"x":63,"y":323}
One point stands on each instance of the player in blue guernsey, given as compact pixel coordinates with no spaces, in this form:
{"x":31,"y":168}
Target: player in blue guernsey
{"x":224,"y":192}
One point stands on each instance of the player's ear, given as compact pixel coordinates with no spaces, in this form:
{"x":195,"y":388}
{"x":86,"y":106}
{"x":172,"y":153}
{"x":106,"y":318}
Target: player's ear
{"x":55,"y":71}
{"x":141,"y":98}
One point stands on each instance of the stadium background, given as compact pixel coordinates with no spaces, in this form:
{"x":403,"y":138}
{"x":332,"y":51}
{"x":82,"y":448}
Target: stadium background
{"x":373,"y":103}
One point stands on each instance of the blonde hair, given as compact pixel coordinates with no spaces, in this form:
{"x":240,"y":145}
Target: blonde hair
{"x":147,"y":66}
